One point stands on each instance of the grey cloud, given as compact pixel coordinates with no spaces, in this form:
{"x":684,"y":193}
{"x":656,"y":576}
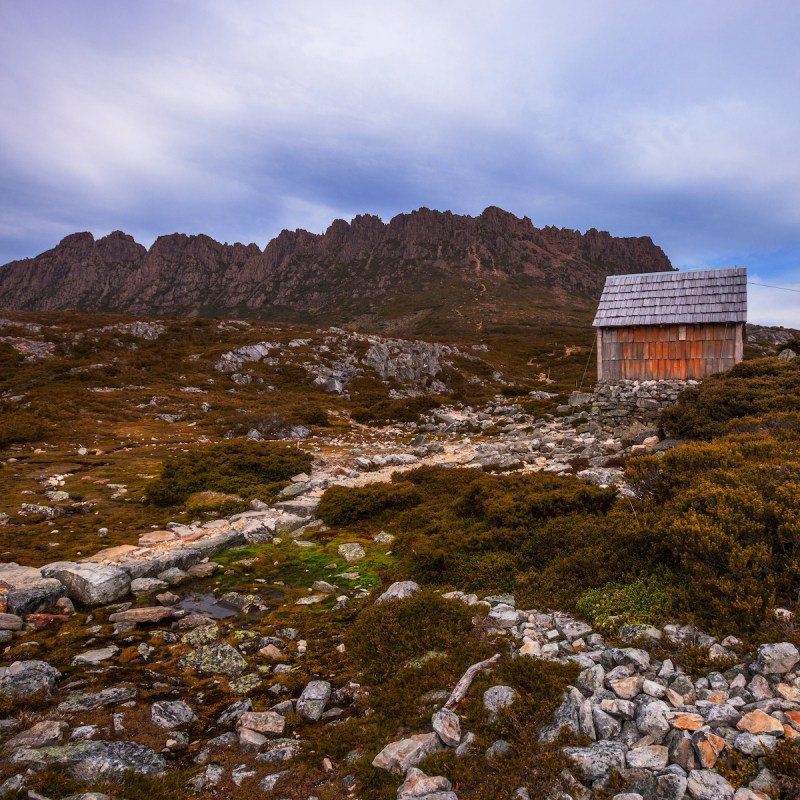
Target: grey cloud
{"x":239,"y":119}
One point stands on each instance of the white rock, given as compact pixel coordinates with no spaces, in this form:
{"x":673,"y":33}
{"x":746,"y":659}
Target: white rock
{"x":400,"y":590}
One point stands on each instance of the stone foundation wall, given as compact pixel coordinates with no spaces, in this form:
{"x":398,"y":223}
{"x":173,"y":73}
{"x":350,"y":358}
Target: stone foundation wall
{"x":640,"y":400}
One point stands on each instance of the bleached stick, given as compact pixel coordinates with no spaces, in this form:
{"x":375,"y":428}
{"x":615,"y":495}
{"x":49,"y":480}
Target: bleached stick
{"x":462,"y":687}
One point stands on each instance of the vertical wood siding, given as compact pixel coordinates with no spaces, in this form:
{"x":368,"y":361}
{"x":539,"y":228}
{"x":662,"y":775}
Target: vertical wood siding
{"x":676,"y":352}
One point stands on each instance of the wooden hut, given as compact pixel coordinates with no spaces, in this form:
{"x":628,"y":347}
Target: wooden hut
{"x":671,"y":325}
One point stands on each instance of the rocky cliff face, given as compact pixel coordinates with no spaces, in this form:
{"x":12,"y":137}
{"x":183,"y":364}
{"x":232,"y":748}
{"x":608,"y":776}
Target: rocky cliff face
{"x":364,"y":267}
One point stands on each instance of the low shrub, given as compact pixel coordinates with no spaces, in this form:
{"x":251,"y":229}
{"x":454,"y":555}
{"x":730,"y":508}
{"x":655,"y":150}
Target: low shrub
{"x":20,"y":427}
{"x":385,"y":411}
{"x":645,"y":600}
{"x":313,"y":415}
{"x":218,"y":502}
{"x":344,"y":506}
{"x":784,"y":762}
{"x":388,"y":636}
{"x":245,"y":468}
{"x":760,"y":386}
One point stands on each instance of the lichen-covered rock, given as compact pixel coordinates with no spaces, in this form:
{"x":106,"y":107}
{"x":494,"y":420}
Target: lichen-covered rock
{"x":351,"y":551}
{"x":498,"y":697}
{"x":171,"y":714}
{"x":312,"y":700}
{"x":88,"y":701}
{"x":598,"y":759}
{"x":26,"y":679}
{"x":215,"y":659}
{"x":91,"y":762}
{"x":777,"y":659}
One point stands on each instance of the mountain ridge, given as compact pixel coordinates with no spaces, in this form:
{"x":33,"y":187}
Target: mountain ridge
{"x":358,"y":270}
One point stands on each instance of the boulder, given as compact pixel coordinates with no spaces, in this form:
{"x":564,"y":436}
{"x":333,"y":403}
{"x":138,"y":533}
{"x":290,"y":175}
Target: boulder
{"x":400,"y":590}
{"x":89,"y":583}
{"x":706,"y":785}
{"x":598,"y":759}
{"x":313,"y":699}
{"x":777,"y":659}
{"x":171,"y":714}
{"x":448,"y":726}
{"x":26,"y":679}
{"x":28,"y":591}
{"x":399,"y":757}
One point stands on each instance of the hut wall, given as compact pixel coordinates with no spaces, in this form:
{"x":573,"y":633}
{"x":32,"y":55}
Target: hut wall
{"x":667,"y":352}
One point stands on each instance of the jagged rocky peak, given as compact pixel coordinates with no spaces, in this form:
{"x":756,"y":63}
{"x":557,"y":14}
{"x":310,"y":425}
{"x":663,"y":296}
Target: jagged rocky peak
{"x":353,"y":268}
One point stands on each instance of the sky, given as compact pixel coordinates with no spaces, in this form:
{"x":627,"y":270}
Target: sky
{"x":239,"y":118}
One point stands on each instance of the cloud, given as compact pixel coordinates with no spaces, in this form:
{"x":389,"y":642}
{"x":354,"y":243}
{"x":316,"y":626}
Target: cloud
{"x":241,"y":118}
{"x":767,"y":305}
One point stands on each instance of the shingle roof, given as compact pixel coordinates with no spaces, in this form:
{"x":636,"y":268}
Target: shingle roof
{"x":656,"y":298}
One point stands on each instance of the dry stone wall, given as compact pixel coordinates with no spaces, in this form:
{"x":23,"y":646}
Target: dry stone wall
{"x":636,"y":400}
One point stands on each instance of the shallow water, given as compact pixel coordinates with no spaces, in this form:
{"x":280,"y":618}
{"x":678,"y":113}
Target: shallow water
{"x":210,"y":605}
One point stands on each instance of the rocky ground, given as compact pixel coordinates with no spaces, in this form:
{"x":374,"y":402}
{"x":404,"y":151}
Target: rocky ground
{"x":209,"y":655}
{"x":137,"y":658}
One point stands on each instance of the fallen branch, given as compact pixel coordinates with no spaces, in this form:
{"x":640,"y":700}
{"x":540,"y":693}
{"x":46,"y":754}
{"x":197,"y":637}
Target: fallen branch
{"x":462,"y":687}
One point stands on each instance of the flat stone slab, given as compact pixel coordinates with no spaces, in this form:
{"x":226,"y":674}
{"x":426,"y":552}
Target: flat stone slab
{"x":92,"y":657}
{"x":267,"y":723}
{"x":139,"y":615}
{"x":91,"y":762}
{"x":89,"y":701}
{"x":88,"y":583}
{"x":172,"y":714}
{"x":41,"y":734}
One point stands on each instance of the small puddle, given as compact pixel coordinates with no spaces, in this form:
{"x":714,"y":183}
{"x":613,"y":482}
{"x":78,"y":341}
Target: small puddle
{"x":210,"y":605}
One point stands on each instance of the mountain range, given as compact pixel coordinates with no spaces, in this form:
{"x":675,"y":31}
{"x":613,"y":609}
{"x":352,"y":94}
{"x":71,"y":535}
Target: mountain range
{"x":425,"y":271}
